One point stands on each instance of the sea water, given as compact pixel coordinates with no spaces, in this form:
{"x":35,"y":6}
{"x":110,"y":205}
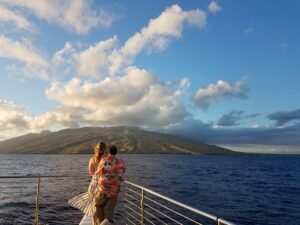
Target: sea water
{"x":253,"y":189}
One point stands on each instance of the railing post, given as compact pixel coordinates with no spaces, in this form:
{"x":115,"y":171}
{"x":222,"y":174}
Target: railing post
{"x":142,"y":208}
{"x":217,"y":221}
{"x":36,"y":220}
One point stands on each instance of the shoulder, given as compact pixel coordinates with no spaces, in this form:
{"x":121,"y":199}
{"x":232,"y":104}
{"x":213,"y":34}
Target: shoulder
{"x":93,"y":161}
{"x":120,"y":161}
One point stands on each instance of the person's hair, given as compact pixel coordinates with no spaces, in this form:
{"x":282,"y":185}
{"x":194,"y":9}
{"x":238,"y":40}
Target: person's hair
{"x":113,"y":150}
{"x":100,"y":145}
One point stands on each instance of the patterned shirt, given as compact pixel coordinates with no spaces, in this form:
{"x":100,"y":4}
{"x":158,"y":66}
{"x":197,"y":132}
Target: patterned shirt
{"x":109,"y":175}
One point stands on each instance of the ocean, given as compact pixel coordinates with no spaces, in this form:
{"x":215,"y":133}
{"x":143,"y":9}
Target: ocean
{"x":252,"y":189}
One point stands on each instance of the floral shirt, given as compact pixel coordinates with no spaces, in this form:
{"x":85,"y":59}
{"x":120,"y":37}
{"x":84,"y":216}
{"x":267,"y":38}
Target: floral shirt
{"x":109,"y":175}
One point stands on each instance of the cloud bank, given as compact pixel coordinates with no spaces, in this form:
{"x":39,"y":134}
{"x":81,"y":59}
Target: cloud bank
{"x":135,"y":98}
{"x":207,"y":133}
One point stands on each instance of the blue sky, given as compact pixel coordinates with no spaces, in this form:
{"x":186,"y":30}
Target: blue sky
{"x":222,"y":72}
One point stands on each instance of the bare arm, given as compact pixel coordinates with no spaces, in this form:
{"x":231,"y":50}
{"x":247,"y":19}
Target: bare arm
{"x":91,"y":167}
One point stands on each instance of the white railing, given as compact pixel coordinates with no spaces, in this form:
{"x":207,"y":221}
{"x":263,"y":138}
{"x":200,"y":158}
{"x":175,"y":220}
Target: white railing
{"x":144,"y":206}
{"x":38,"y":186}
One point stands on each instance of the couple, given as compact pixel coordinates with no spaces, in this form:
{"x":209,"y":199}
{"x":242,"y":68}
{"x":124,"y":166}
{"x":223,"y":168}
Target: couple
{"x":101,"y":198}
{"x":106,"y":170}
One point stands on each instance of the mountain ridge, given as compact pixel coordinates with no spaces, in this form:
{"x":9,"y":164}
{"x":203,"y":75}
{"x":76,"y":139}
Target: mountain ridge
{"x":127,"y":139}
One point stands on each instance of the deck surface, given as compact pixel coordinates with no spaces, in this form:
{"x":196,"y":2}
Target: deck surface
{"x":86,"y":220}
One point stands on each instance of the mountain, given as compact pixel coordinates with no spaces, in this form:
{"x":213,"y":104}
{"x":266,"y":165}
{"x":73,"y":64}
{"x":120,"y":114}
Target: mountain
{"x":127,"y":139}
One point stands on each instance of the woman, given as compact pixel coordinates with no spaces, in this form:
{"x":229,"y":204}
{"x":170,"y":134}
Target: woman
{"x":85,"y":201}
{"x":99,"y":153}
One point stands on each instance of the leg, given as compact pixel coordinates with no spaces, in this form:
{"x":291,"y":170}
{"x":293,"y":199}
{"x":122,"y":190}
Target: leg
{"x":99,"y":203}
{"x":109,"y":208}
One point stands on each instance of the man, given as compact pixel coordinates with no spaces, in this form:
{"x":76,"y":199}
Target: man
{"x":109,"y":175}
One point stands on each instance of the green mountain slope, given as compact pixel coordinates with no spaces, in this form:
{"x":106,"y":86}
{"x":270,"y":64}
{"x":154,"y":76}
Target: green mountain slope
{"x":128,"y":140}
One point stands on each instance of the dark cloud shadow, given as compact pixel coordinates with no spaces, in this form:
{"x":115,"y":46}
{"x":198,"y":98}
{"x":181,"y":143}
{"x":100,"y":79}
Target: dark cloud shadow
{"x":234,"y":117}
{"x":199,"y":131}
{"x":283,"y":118}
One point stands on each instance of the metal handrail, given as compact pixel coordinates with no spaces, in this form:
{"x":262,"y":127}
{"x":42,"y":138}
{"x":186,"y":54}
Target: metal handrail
{"x":34,"y":176}
{"x":37,"y":202}
{"x":141,"y":207}
{"x":38,"y":186}
{"x":144,"y":190}
{"x":174,"y":212}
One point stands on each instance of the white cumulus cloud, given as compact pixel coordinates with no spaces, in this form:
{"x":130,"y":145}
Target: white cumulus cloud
{"x":10,"y":17}
{"x":91,"y":60}
{"x":24,"y":52}
{"x":13,"y":117}
{"x":157,"y":35}
{"x":136,"y":98}
{"x":132,"y":96}
{"x":185,"y":82}
{"x":105,"y":57}
{"x":62,"y":56}
{"x":214,"y":7}
{"x":70,"y":117}
{"x":75,"y":15}
{"x":220,"y":91}
{"x":16,"y":120}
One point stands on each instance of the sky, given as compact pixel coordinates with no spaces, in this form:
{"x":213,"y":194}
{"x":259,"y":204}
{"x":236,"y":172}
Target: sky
{"x":221,"y":72}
